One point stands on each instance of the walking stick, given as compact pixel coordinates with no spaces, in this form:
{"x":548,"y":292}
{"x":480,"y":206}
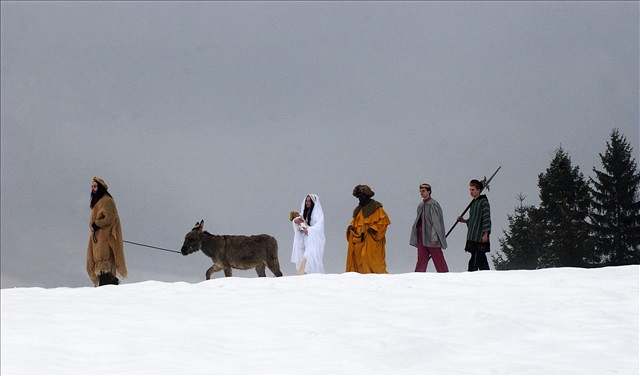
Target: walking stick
{"x":485,"y":184}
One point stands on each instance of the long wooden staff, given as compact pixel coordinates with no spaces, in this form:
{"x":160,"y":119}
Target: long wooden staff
{"x":485,"y":184}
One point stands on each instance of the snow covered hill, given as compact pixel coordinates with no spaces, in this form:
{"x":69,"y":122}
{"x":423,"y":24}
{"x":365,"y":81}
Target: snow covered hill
{"x":548,"y":321}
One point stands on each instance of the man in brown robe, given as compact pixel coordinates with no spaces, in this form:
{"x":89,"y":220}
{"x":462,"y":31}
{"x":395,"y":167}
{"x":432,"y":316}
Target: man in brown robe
{"x":105,"y":253}
{"x":366,"y":234}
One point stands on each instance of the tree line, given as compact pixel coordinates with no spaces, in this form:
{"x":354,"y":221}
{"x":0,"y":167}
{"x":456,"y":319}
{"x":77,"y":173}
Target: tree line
{"x":579,"y":222}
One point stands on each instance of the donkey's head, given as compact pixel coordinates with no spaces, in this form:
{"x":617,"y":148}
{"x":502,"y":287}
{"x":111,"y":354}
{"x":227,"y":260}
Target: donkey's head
{"x":193,"y":239}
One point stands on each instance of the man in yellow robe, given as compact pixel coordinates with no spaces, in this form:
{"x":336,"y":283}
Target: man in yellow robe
{"x":366,"y":234}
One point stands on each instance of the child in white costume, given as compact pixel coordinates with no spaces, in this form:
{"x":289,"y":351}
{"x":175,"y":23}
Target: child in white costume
{"x":308,"y":243}
{"x":301,"y":226}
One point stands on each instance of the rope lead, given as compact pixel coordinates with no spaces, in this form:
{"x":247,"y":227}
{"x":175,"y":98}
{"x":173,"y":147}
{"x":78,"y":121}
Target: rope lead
{"x":150,"y":246}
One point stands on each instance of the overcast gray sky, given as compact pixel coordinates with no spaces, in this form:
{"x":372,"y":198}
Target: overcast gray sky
{"x":232,"y":112}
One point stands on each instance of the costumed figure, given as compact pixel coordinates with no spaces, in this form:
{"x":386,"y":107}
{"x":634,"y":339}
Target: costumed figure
{"x":105,"y":252}
{"x":308,"y":236}
{"x":366,"y":234}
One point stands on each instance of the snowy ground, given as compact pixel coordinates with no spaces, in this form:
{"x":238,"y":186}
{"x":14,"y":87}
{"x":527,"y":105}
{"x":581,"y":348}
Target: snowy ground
{"x":548,"y":321}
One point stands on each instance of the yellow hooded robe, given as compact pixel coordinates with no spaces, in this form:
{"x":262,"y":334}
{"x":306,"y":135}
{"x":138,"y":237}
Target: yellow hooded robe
{"x":366,"y":239}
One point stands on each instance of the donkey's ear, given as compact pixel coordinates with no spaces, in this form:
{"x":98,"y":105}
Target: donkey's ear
{"x":202,"y":223}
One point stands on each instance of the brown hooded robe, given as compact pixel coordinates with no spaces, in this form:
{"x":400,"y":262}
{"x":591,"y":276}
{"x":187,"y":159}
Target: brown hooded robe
{"x":105,"y":253}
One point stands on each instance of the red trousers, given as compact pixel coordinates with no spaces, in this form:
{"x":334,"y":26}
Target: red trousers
{"x":426,"y":253}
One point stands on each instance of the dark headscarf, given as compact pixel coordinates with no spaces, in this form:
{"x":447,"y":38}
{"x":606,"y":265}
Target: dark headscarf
{"x":364,"y":195}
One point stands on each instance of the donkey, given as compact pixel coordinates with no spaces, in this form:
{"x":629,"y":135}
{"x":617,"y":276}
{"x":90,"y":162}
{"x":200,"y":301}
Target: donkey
{"x":233,"y":251}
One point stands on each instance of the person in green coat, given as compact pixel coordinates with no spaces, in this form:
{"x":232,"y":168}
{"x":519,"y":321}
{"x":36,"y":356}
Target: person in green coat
{"x":478,"y":228}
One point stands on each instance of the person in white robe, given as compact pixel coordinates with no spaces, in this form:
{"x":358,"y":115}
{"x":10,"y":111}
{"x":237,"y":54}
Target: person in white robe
{"x":308,"y":243}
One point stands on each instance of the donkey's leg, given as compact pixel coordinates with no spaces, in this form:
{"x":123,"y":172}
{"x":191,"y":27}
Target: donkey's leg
{"x":214,"y":268}
{"x":274,"y":266}
{"x":272,"y":258}
{"x":227,"y":272}
{"x":209,"y":272}
{"x":260,"y":270}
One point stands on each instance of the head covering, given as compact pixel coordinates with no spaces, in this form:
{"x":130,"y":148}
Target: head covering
{"x":317,"y":214}
{"x":100,"y":181}
{"x":363,"y":190}
{"x":99,"y":193}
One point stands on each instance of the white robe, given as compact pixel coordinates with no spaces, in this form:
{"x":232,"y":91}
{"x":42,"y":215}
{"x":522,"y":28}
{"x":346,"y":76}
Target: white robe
{"x":311,"y":246}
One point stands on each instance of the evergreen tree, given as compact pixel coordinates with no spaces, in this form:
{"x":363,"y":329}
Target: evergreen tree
{"x":564,"y":209}
{"x":615,"y":205}
{"x":522,"y":241}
